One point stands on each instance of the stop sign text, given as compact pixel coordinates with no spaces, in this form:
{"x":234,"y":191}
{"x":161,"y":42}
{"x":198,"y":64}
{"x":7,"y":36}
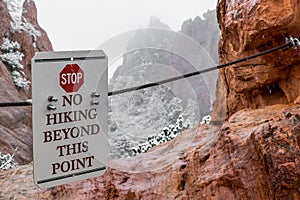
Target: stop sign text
{"x":71,"y":78}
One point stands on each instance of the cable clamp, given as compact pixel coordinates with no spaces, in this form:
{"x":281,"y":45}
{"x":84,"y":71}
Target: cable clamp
{"x":294,"y":42}
{"x":29,"y":101}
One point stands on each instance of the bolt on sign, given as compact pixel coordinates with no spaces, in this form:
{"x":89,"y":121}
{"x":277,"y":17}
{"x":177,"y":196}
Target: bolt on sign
{"x":69,"y":116}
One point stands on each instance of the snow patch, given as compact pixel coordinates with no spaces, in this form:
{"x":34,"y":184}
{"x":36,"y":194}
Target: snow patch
{"x":19,"y":23}
{"x":7,"y":161}
{"x":9,"y":46}
{"x":167,"y":134}
{"x":12,"y":57}
{"x":25,"y":26}
{"x":206,"y":120}
{"x":15,"y":9}
{"x":19,"y":79}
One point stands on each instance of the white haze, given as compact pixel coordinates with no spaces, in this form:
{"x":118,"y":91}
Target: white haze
{"x":79,"y":25}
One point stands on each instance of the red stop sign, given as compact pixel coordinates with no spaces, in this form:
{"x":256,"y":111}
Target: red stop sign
{"x":71,"y":78}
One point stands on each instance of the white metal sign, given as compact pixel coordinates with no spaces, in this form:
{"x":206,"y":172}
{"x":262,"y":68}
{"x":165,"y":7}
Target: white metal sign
{"x":69,"y":116}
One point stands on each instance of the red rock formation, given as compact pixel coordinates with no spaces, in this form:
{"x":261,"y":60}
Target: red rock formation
{"x":15,"y":123}
{"x":18,"y":184}
{"x":249,"y":27}
{"x":255,"y":155}
{"x":42,"y":43}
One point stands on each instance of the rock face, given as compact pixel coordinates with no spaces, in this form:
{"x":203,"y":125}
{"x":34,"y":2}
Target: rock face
{"x":205,"y":31}
{"x":159,"y":53}
{"x":255,"y":155}
{"x":249,"y":27}
{"x":156,"y":54}
{"x":18,"y":184}
{"x":15,"y":124}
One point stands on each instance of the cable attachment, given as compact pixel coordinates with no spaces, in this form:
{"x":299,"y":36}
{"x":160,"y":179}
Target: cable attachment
{"x":294,"y":42}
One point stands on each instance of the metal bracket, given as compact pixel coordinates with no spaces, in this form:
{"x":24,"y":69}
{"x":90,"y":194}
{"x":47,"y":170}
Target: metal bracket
{"x":95,"y":95}
{"x":94,"y":100}
{"x":51,"y":107}
{"x":52,"y":99}
{"x":295,"y":42}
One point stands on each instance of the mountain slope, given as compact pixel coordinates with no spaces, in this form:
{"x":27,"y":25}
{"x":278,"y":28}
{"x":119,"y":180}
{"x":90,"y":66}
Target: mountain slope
{"x":20,"y":38}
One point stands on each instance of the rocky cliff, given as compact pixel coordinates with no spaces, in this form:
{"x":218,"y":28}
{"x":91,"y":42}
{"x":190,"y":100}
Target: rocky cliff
{"x":157,"y":53}
{"x":255,"y":155}
{"x":205,"y":31}
{"x":249,"y":27}
{"x":20,"y":38}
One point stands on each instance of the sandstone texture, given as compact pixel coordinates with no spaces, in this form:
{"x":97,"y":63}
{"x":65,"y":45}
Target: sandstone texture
{"x":255,"y":155}
{"x":18,"y":184}
{"x":15,"y":123}
{"x":249,"y":27}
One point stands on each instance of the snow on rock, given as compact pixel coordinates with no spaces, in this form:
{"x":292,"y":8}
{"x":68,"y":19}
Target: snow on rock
{"x":19,"y":23}
{"x":9,"y":46}
{"x":167,"y":134}
{"x":15,"y":123}
{"x":20,"y":79}
{"x":25,"y":26}
{"x":206,"y":120}
{"x":7,"y":161}
{"x":255,"y":155}
{"x":13,"y":57}
{"x":15,"y":8}
{"x":134,"y":117}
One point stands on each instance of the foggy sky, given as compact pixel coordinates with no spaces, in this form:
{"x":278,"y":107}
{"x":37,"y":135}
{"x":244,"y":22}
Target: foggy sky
{"x":82,"y":25}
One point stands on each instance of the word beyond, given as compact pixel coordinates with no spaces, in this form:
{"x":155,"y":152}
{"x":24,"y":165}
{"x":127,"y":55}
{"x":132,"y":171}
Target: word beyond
{"x":69,"y":133}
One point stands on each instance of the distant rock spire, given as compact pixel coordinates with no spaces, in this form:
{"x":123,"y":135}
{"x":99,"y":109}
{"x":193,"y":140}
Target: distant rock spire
{"x":156,"y":23}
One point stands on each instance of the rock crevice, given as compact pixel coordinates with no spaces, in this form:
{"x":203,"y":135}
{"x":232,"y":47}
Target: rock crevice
{"x":247,"y":28}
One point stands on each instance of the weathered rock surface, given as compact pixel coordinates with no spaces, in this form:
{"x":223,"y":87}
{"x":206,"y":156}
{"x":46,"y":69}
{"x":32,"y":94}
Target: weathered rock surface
{"x":205,"y":31}
{"x":249,"y":27}
{"x":156,"y":54}
{"x":18,"y":184}
{"x":255,"y":155}
{"x":15,"y":124}
{"x":167,"y":54}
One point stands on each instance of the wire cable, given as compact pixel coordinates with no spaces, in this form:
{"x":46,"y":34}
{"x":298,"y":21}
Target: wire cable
{"x":15,"y":104}
{"x":290,"y":42}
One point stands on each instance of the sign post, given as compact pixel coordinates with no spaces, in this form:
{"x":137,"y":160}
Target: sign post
{"x":69,"y":116}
